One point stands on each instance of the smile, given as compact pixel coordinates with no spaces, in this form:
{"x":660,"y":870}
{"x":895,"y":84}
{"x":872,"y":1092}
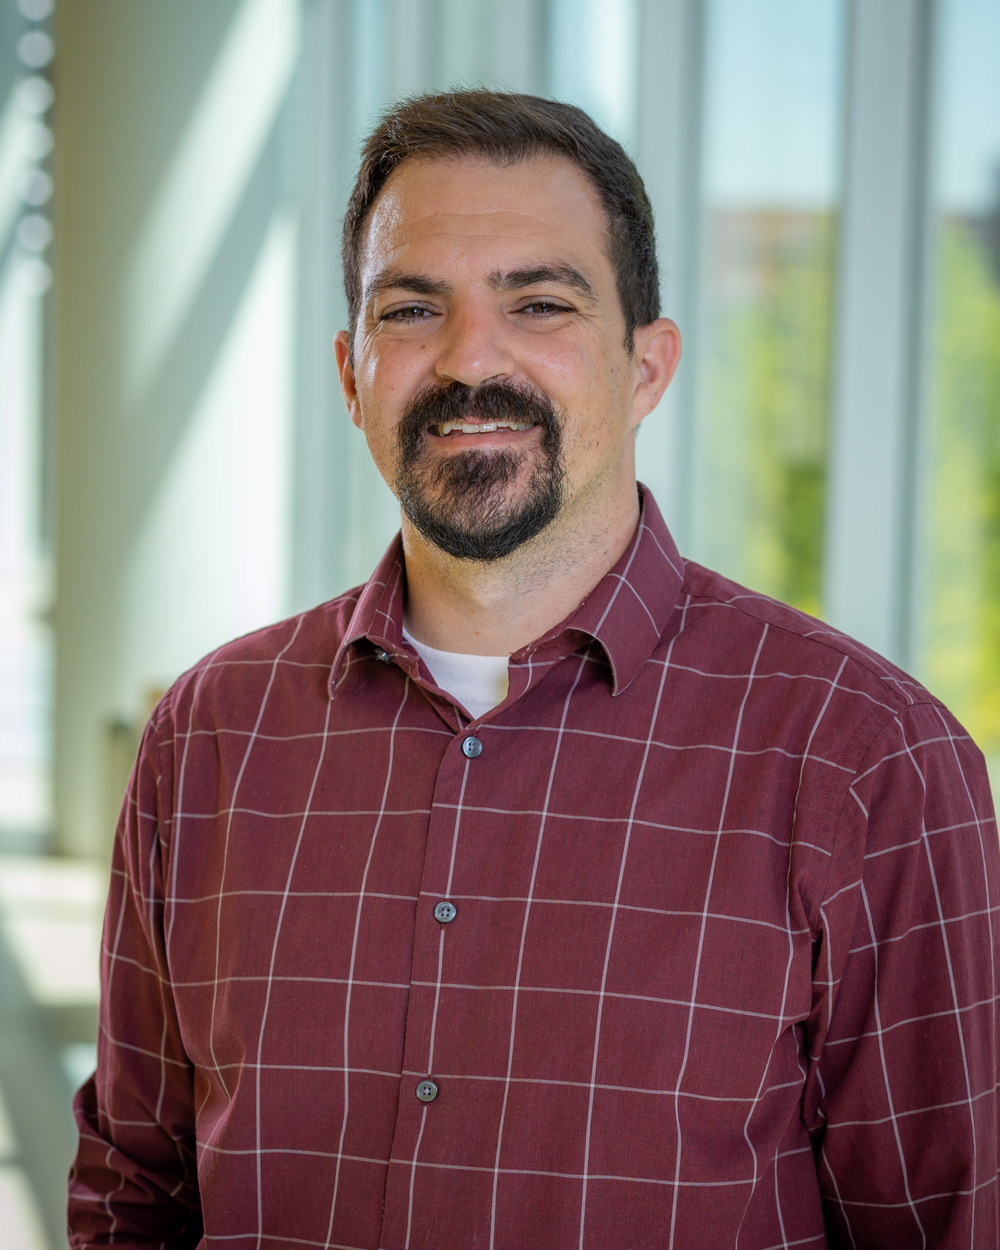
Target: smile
{"x":483,"y":427}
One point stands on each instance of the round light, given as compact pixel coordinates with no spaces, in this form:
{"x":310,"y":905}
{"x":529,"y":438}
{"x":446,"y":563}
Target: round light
{"x":34,"y":233}
{"x":35,"y":49}
{"x":36,"y":188}
{"x":35,"y":277}
{"x":36,"y":141}
{"x":36,"y":10}
{"x":35,"y":95}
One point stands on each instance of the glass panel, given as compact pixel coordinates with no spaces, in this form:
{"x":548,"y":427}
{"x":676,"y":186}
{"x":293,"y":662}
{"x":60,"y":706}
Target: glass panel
{"x":594,"y":53}
{"x":961,"y":625}
{"x":771,"y":159}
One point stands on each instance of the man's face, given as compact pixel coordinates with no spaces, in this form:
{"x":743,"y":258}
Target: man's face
{"x":490,"y":375}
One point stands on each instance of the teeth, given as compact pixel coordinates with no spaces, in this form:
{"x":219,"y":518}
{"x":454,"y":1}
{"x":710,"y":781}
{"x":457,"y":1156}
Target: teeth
{"x":485,"y":427}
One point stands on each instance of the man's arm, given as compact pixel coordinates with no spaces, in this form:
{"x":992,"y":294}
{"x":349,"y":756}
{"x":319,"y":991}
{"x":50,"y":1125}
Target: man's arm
{"x":134,"y":1180}
{"x":902,"y":1090}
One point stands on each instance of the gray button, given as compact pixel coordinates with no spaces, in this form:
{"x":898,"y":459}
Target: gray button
{"x":383,"y":655}
{"x":472,"y":747}
{"x":445,"y":912}
{"x":427,"y":1091}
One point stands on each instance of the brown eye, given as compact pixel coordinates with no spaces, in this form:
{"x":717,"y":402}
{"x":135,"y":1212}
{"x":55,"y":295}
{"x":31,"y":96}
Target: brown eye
{"x":543,"y":308}
{"x":413,"y":313}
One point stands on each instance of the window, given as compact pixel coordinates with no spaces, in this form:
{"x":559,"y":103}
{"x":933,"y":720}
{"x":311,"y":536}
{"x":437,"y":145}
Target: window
{"x":769,"y":214}
{"x":960,"y":646}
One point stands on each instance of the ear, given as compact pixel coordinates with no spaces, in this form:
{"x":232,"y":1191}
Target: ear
{"x":348,"y":387}
{"x":657,"y":354}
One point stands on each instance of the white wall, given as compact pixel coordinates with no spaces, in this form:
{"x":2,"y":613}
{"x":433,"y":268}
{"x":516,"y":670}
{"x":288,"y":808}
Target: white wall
{"x":175,"y":290}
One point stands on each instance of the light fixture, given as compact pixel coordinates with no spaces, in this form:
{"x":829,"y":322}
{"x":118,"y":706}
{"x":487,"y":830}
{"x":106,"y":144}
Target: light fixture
{"x":35,"y":49}
{"x":35,"y":276}
{"x":36,"y":10}
{"x":35,"y":95}
{"x":36,"y":141}
{"x":34,"y":233}
{"x":36,"y":187}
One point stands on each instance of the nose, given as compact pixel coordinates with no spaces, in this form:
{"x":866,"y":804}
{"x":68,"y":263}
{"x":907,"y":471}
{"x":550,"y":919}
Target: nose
{"x":472,"y":350}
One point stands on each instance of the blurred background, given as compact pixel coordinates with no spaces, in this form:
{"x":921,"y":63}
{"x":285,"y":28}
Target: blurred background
{"x":175,"y":464}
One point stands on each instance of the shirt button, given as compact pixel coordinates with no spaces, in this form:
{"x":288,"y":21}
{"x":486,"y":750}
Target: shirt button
{"x":427,"y":1091}
{"x":383,"y":655}
{"x":445,"y":912}
{"x":472,"y":747}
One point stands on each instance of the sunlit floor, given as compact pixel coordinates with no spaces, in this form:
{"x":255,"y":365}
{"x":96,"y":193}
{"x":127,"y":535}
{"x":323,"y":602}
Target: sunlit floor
{"x":50,"y":920}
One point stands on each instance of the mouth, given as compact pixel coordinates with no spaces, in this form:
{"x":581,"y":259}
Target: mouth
{"x":480,"y":427}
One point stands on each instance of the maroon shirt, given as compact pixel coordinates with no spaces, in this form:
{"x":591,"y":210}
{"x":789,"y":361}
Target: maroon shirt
{"x":721,"y":970}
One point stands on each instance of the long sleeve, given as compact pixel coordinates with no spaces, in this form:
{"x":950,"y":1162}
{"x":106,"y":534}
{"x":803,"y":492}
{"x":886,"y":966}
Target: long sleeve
{"x":134,"y":1178}
{"x":902,"y":1090}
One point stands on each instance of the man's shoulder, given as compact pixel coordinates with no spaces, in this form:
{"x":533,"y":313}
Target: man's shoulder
{"x":300,"y":650}
{"x":806,"y":643}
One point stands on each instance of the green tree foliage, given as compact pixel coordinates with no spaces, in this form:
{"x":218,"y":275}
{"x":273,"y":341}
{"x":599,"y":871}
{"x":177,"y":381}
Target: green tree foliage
{"x":763,"y":434}
{"x":765,"y":401}
{"x":962,"y":635}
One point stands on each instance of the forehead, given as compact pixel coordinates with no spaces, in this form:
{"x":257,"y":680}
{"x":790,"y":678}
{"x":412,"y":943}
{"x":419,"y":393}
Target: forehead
{"x":474,"y":209}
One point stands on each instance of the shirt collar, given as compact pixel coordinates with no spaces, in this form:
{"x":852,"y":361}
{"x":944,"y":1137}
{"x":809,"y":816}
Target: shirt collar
{"x":626,"y":613}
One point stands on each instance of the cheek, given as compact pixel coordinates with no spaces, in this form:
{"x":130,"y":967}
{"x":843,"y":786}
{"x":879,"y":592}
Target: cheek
{"x":379,"y":429}
{"x":568,"y":368}
{"x":384,"y":389}
{"x":590,"y":389}
{"x":390,"y":371}
{"x":582,"y":371}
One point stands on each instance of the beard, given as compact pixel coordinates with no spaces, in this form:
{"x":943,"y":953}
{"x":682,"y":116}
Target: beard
{"x":466,"y":503}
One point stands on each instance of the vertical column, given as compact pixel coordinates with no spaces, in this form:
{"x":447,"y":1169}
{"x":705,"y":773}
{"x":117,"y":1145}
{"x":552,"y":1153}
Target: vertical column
{"x":26,"y":99}
{"x":324,"y":437}
{"x":871,"y":509}
{"x":669,"y":159}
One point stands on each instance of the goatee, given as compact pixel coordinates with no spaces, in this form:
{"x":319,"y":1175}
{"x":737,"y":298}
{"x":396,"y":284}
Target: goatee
{"x":462,"y":502}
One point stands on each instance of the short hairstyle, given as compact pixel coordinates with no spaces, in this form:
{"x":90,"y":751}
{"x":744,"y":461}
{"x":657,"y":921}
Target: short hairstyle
{"x":506,"y":128}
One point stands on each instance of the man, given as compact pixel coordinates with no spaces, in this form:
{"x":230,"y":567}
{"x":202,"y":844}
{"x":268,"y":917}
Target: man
{"x":546,"y":891}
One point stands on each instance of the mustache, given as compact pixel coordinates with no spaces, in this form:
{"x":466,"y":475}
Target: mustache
{"x":492,"y":401}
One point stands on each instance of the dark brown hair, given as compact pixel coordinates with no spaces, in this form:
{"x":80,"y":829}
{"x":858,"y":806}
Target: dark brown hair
{"x":506,"y":128}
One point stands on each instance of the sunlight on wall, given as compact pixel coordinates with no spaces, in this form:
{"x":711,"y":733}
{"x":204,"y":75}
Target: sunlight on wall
{"x":18,"y":1213}
{"x":206,"y":179}
{"x":212,"y":559}
{"x":50,"y":914}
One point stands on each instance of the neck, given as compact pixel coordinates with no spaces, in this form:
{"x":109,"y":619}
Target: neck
{"x":497,"y":608}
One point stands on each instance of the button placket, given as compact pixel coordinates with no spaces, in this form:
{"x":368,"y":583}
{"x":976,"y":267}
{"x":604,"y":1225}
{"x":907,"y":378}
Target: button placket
{"x":418,"y":1122}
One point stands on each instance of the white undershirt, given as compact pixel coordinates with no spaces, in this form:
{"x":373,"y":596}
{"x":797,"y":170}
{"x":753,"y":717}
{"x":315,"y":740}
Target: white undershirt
{"x":478,"y":682}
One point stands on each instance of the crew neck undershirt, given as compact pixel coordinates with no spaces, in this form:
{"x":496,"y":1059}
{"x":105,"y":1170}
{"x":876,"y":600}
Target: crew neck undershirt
{"x":478,"y":682}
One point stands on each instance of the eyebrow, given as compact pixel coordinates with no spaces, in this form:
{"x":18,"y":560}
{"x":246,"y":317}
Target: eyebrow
{"x":537,"y":275}
{"x":395,"y":279}
{"x":499,"y":280}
